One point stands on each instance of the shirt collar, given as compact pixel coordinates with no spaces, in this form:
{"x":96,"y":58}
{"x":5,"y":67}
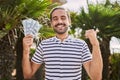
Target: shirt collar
{"x":65,"y":40}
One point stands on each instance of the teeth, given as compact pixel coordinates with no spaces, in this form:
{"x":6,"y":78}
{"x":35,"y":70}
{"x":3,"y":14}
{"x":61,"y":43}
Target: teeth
{"x":60,"y":25}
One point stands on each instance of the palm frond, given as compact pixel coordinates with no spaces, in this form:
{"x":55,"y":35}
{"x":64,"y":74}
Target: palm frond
{"x":12,"y":14}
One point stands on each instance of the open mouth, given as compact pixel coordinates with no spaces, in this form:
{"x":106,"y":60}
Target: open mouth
{"x":59,"y":25}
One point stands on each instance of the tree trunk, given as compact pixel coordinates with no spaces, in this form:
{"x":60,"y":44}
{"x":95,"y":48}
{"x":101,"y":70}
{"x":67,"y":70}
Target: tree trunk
{"x":40,"y":74}
{"x":84,"y":74}
{"x":7,"y":57}
{"x":105,"y":50}
{"x":19,"y":52}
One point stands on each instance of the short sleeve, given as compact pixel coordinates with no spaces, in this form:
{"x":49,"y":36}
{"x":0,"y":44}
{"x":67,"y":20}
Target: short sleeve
{"x":38,"y":55}
{"x":86,"y":54}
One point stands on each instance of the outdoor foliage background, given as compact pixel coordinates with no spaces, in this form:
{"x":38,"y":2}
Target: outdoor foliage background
{"x":105,"y":17}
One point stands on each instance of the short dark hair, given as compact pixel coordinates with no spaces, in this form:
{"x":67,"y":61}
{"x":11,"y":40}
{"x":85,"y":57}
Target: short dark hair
{"x":58,"y":7}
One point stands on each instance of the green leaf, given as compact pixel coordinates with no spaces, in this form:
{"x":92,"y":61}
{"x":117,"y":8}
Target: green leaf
{"x":8,"y":26}
{"x":2,"y":33}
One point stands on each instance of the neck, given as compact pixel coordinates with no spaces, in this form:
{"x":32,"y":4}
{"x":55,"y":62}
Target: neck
{"x":62,"y":36}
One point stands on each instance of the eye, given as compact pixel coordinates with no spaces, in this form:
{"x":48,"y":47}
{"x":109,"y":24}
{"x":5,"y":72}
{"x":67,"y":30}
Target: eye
{"x":63,"y":17}
{"x":55,"y":19}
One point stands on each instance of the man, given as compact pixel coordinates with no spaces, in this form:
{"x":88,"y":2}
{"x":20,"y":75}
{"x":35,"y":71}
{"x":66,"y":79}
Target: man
{"x":63,"y":56}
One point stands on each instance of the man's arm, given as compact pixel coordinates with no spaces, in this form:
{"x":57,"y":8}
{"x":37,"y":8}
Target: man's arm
{"x":95,"y":66}
{"x":29,"y":68}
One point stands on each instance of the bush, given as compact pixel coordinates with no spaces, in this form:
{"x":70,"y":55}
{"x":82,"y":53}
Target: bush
{"x":115,"y":66}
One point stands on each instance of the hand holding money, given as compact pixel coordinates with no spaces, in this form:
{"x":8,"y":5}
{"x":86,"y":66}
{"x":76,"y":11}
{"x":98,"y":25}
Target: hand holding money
{"x":31,"y":27}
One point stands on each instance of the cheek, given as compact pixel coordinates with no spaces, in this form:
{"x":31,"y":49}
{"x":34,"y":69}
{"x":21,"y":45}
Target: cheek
{"x":68,"y":23}
{"x":53,"y":23}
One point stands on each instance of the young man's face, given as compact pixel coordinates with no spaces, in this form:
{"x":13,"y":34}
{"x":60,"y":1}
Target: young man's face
{"x":60,"y":21}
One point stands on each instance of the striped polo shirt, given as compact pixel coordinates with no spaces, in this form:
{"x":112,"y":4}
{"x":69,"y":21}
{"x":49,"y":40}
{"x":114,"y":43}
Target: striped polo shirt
{"x":63,"y":60}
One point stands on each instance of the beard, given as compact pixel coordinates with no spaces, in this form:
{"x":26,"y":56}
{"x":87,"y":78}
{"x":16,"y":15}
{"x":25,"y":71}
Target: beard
{"x":60,"y":31}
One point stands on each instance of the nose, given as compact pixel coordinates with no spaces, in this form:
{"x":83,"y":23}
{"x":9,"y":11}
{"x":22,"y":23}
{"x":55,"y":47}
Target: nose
{"x":60,"y":21}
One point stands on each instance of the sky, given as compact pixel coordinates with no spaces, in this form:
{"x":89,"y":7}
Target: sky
{"x":75,"y":5}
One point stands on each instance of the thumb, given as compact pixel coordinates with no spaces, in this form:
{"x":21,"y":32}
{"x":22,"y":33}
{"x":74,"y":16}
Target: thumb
{"x":97,"y":31}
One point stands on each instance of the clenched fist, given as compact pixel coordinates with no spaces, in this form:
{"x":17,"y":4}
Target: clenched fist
{"x":91,"y":34}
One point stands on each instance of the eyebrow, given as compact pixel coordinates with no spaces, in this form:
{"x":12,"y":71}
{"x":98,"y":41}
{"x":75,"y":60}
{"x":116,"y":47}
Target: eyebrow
{"x":63,"y":16}
{"x":54,"y":17}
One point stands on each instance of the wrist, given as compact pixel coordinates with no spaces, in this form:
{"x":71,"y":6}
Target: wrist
{"x":95,"y":44}
{"x":26,"y":51}
{"x":26,"y":55}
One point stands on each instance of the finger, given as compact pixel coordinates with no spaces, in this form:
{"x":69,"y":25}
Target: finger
{"x":86,"y":33}
{"x":97,"y":30}
{"x":29,"y":36}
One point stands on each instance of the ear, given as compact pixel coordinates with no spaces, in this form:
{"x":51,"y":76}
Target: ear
{"x":70,"y":21}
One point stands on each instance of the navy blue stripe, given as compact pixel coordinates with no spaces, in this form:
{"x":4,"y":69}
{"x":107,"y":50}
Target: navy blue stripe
{"x":48,"y":79}
{"x":63,"y":46}
{"x":75,"y":54}
{"x":85,"y":54}
{"x":64,"y":68}
{"x":35,"y":60}
{"x":79,"y":78}
{"x":52,"y":49}
{"x":39,"y":50}
{"x":86,"y":57}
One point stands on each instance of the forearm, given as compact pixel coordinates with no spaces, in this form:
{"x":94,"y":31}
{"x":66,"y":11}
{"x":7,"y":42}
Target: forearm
{"x":26,"y":65}
{"x":96,"y":65}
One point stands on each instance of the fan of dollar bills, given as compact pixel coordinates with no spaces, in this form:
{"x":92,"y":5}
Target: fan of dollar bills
{"x":31,"y":27}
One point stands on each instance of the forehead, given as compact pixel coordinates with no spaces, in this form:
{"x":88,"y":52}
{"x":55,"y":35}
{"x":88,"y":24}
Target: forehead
{"x":59,"y":12}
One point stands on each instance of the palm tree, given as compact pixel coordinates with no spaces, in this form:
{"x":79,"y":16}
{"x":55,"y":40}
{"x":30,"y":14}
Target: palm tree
{"x":106,"y":19}
{"x":11,"y":14}
{"x":115,"y":63}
